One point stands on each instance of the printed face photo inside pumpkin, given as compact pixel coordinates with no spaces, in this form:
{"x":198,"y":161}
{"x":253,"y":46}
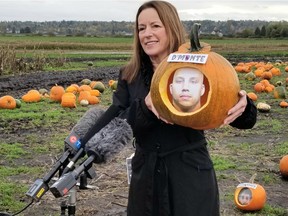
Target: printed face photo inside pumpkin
{"x":244,"y":196}
{"x":186,"y":89}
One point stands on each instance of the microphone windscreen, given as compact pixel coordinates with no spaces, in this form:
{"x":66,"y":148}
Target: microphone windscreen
{"x":111,"y":139}
{"x":87,"y":120}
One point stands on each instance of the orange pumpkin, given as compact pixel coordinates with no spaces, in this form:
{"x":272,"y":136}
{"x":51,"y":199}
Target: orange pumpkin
{"x":93,"y":100}
{"x":68,"y":100}
{"x":252,"y":96}
{"x":84,"y":95}
{"x":7,"y":102}
{"x":220,"y":80}
{"x":250,"y":197}
{"x":56,"y":93}
{"x":283,"y":166}
{"x":283,"y":104}
{"x":32,"y":96}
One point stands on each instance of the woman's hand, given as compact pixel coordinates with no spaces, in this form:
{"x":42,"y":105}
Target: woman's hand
{"x":238,"y":109}
{"x":149,"y":104}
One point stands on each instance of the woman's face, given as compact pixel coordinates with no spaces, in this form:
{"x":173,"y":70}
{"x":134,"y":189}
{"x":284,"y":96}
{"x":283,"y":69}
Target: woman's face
{"x":152,"y":34}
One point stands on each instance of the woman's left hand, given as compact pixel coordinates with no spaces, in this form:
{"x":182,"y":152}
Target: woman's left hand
{"x":238,"y":109}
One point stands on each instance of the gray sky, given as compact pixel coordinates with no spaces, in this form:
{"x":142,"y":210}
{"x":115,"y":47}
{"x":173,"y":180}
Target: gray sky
{"x":125,"y":10}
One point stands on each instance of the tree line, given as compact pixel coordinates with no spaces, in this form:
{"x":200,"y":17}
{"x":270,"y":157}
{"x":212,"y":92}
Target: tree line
{"x":229,"y":28}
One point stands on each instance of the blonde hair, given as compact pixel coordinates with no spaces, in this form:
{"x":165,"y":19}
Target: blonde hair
{"x":174,"y":28}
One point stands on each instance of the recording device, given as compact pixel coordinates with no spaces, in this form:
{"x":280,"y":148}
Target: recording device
{"x":74,"y":149}
{"x":40,"y":186}
{"x":100,"y":148}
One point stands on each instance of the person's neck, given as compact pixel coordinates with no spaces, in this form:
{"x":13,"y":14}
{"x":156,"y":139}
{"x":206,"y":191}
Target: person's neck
{"x":156,"y":61}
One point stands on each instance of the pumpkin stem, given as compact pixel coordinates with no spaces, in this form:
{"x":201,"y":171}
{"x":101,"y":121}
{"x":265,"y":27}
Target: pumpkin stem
{"x":194,"y":37}
{"x":252,"y":178}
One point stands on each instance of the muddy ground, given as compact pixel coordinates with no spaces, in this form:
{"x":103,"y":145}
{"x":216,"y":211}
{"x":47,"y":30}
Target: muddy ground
{"x":109,"y":193}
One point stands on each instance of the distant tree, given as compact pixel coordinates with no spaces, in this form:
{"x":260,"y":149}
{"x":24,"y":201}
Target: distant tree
{"x":284,"y":31}
{"x":257,"y":32}
{"x":263,"y":31}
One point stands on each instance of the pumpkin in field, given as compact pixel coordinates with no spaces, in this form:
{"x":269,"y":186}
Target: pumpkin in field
{"x":220,"y":81}
{"x":252,"y":96}
{"x":56,"y":93}
{"x":279,"y":91}
{"x":68,"y":100}
{"x":84,"y":95}
{"x":283,"y":104}
{"x":283,"y":166}
{"x":99,"y":86}
{"x":250,"y":197}
{"x":7,"y":102}
{"x":32,"y":96}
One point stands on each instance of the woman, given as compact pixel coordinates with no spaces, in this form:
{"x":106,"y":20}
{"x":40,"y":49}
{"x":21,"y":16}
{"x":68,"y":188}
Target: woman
{"x":172,"y":173}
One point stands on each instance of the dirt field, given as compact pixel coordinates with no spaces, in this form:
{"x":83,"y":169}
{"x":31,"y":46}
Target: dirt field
{"x":109,"y":195}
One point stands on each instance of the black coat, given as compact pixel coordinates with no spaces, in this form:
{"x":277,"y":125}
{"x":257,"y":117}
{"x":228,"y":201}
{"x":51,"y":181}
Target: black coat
{"x":172,"y":173}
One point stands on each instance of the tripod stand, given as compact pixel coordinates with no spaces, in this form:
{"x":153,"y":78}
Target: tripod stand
{"x":69,"y":206}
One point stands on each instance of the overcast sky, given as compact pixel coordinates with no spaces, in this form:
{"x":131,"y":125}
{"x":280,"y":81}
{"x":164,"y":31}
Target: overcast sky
{"x":125,"y":10}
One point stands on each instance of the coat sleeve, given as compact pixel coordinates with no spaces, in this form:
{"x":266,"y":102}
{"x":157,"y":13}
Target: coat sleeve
{"x":133,"y":107}
{"x":248,"y":119}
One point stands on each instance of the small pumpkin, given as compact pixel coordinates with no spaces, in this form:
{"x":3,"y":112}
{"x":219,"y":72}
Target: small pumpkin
{"x":68,"y":100}
{"x":279,"y":92}
{"x":85,"y":87}
{"x":56,"y":93}
{"x":7,"y":102}
{"x":250,"y":76}
{"x":283,"y":104}
{"x":93,"y":100}
{"x":250,"y":196}
{"x":252,"y":96}
{"x":32,"y":96}
{"x":283,"y":166}
{"x":84,"y":95}
{"x":99,"y":86}
{"x":84,"y":102}
{"x":85,"y":81}
{"x":263,"y":107}
{"x":220,"y":81}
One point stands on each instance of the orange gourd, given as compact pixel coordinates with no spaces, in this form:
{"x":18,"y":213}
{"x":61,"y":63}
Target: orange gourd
{"x":283,"y":166}
{"x":7,"y":102}
{"x":221,"y":86}
{"x":283,"y":104}
{"x":32,"y":96}
{"x":68,"y":100}
{"x":93,"y":100}
{"x":56,"y":93}
{"x":252,"y":96}
{"x":84,"y":95}
{"x":85,"y":88}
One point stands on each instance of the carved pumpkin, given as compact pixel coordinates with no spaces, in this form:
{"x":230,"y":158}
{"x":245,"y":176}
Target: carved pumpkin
{"x":283,"y":166}
{"x":7,"y":102}
{"x":220,"y":80}
{"x":250,"y":196}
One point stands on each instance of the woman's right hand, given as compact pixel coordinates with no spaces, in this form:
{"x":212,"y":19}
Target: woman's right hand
{"x":149,"y":104}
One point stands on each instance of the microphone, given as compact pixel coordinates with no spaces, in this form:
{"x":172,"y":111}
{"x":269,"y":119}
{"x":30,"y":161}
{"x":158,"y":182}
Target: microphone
{"x":109,"y":141}
{"x":73,"y":147}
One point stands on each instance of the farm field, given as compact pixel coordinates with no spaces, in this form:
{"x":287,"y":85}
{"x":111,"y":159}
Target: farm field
{"x":32,"y":136}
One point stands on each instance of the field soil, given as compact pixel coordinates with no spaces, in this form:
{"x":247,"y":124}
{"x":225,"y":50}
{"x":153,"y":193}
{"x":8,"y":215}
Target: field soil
{"x":108,"y":191}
